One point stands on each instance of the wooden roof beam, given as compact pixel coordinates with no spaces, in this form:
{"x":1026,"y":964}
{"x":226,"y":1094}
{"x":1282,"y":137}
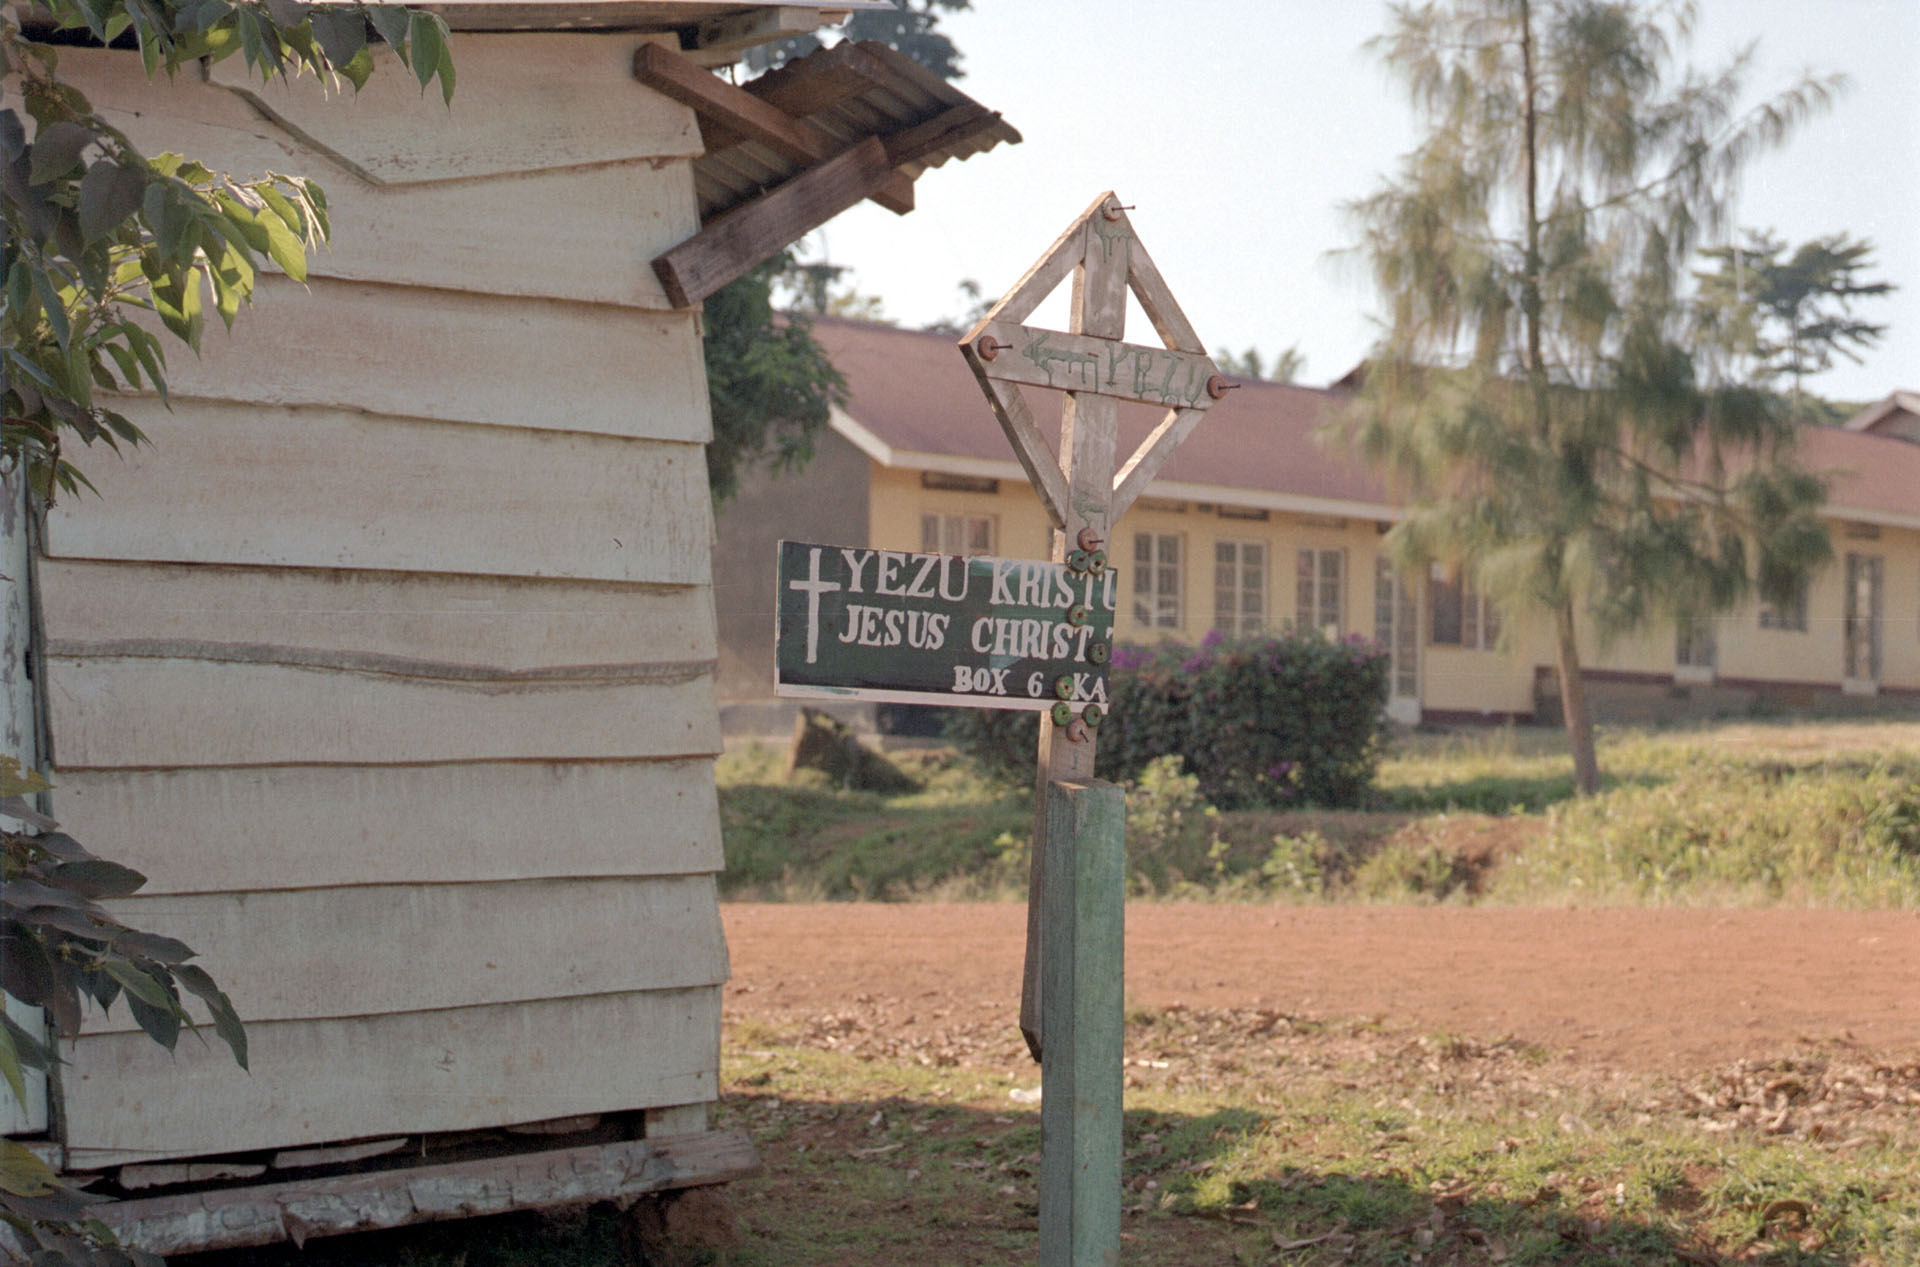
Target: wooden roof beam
{"x":723,"y":41}
{"x":949,"y":127}
{"x":728,"y":113}
{"x":753,"y":231}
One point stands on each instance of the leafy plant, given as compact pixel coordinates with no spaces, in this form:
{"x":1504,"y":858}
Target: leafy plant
{"x":59,"y":947}
{"x":1541,"y":392}
{"x":1792,"y":316}
{"x":770,"y":383}
{"x":97,"y":231}
{"x":1273,"y":719}
{"x":1173,"y":836}
{"x":1280,"y":719}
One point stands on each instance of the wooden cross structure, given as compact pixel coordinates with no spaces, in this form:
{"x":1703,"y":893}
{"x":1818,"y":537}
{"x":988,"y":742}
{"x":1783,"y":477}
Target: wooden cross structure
{"x":1070,"y":1005}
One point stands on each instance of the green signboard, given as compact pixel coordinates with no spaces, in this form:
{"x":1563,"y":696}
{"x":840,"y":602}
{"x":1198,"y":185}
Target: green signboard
{"x":907,"y":628}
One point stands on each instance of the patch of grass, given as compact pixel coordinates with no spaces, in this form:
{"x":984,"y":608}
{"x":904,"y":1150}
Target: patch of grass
{"x":1730,"y":831}
{"x":1344,"y":1145}
{"x":801,"y":839}
{"x":1805,"y":813}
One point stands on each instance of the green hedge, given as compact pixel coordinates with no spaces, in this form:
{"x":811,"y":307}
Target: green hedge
{"x":1287,"y":719}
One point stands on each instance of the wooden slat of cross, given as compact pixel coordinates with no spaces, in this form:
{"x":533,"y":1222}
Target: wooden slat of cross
{"x":1083,"y":493}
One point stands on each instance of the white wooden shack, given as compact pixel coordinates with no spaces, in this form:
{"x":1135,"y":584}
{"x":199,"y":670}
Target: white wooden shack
{"x":390,"y":660}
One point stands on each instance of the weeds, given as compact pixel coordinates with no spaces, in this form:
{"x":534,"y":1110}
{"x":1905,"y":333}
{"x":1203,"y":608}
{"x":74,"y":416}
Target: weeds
{"x":1746,"y":814}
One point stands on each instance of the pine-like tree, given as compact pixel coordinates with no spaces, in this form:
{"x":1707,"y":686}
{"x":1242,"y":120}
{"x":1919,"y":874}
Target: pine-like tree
{"x":1537,"y":394}
{"x":1792,"y":314}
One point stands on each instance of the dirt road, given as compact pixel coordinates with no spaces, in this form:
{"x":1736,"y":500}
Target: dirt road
{"x":1649,"y":990}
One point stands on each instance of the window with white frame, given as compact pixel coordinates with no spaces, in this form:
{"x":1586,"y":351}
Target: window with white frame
{"x":1861,"y":630}
{"x":1156,"y":579}
{"x":1458,"y":615}
{"x":1239,"y":587}
{"x":1396,"y":626}
{"x":956,"y":534}
{"x":1319,"y":590}
{"x":1694,"y":644}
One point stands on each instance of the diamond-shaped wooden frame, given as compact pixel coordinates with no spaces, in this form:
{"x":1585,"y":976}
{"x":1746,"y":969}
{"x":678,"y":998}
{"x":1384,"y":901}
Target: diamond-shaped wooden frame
{"x":1002,"y":331}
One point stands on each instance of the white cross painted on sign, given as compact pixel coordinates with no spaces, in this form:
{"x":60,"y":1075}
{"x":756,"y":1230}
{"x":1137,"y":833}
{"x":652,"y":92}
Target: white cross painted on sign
{"x":814,"y":588}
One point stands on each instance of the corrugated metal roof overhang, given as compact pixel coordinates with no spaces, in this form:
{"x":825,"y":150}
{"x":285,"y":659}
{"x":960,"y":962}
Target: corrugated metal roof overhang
{"x":848,"y":92}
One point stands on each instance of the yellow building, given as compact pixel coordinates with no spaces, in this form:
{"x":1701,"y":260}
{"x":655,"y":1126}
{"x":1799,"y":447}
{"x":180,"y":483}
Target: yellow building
{"x":1255,"y":525}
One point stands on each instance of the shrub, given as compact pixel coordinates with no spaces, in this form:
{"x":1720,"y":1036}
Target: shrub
{"x":1287,"y":719}
{"x":1173,"y":839}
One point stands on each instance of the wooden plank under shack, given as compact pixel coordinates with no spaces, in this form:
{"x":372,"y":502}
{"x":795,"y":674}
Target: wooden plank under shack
{"x":235,"y":1218}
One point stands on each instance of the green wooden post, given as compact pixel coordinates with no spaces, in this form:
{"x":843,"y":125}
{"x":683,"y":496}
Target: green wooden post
{"x":1083,"y":898}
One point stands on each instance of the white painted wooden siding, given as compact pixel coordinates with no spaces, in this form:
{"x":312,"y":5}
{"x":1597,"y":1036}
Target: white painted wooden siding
{"x":509,"y":623}
{"x":131,"y":711}
{"x":525,"y":103}
{"x":298,"y":487}
{"x":128,"y":1100}
{"x":585,"y":233}
{"x":291,"y":827}
{"x":389,"y":661}
{"x":495,"y":361}
{"x":378,"y":948}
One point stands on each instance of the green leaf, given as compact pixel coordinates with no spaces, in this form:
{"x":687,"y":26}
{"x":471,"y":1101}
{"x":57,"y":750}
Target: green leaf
{"x":22,"y":1174}
{"x":226,"y":1022}
{"x":52,"y":306}
{"x":342,"y":35}
{"x":109,"y":193}
{"x":20,"y":290}
{"x":357,"y":69}
{"x":288,"y":251}
{"x":127,"y":363}
{"x":252,"y":42}
{"x":426,"y":45}
{"x":391,"y":21}
{"x":138,"y":984}
{"x":241,"y":221}
{"x":161,"y":1023}
{"x":56,"y":151}
{"x":97,"y":878}
{"x":10,"y":1065}
{"x":289,"y":214}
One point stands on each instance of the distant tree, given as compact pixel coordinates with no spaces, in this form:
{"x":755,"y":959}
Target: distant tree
{"x":1537,"y":392}
{"x":911,"y":27}
{"x":1286,"y":367}
{"x":977,"y":302}
{"x":770,"y":383}
{"x":1792,"y":314}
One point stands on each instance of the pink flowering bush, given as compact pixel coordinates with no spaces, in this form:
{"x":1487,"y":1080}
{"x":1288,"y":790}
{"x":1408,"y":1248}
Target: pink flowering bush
{"x":1271,"y":720}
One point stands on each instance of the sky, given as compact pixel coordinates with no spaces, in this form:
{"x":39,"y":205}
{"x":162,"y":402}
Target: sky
{"x":1238,"y":130}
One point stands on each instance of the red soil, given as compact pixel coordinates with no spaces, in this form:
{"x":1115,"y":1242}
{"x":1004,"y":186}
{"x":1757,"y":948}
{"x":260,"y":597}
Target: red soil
{"x":1648,"y":990}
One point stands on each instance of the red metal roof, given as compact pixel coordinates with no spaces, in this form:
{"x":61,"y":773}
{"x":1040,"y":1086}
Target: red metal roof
{"x":913,"y":393}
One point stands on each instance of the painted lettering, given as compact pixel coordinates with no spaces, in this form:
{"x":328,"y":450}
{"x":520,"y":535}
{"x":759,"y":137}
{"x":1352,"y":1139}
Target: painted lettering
{"x":857,"y":561}
{"x":947,"y":568}
{"x":922,"y":586}
{"x":886,"y":579}
{"x":983,"y":634}
{"x":1003,"y":571}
